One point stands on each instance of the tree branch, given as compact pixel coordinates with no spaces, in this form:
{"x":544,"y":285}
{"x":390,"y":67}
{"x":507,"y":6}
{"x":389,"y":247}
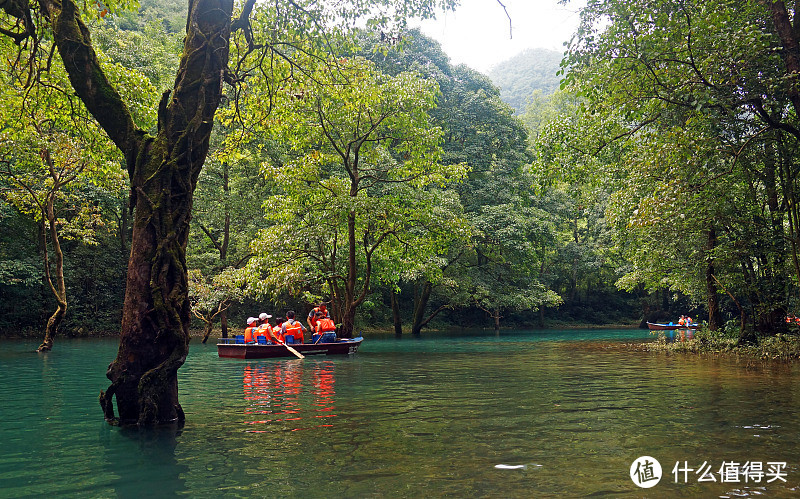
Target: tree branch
{"x":88,"y":78}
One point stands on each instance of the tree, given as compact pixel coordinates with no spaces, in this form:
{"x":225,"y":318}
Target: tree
{"x":49,"y":154}
{"x":353,"y":193}
{"x":163,"y":168}
{"x":481,"y":131}
{"x":694,"y":99}
{"x":212,"y":297}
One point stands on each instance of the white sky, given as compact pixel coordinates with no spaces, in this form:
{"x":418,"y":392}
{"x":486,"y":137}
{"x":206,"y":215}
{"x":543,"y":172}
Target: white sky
{"x":477,"y":33}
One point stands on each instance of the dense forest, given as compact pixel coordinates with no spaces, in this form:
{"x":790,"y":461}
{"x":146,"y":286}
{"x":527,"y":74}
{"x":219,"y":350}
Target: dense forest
{"x":360,"y":167}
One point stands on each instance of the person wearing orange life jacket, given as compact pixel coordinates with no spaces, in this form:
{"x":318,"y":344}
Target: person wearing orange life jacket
{"x":325,"y":325}
{"x":326,"y":330}
{"x":292,"y":328}
{"x":276,"y":330}
{"x":249,"y":331}
{"x":312,"y":316}
{"x":264,"y":327}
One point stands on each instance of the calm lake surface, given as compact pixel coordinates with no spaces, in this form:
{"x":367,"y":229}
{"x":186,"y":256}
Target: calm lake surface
{"x":522,"y":414}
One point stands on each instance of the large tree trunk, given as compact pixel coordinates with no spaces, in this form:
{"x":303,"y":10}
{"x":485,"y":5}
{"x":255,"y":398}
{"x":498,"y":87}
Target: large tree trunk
{"x":154,"y":340}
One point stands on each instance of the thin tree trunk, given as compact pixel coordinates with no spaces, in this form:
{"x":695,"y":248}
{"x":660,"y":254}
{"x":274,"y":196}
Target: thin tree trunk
{"x":349,"y":311}
{"x":59,"y":288}
{"x":209,"y":326}
{"x":223,"y":322}
{"x":348,"y":321}
{"x":712,"y":298}
{"x":396,"y":319}
{"x":419,"y":307}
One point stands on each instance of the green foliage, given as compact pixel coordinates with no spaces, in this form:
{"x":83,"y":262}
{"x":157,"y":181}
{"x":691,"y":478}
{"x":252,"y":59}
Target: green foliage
{"x":685,"y":112}
{"x":361,"y":149}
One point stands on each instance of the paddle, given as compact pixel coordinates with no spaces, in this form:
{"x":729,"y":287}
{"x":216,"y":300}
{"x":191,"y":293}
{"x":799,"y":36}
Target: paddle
{"x":299,"y":355}
{"x":320,"y":337}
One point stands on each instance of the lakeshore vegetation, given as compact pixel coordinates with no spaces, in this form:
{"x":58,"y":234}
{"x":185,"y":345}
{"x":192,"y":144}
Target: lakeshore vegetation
{"x":162,"y":165}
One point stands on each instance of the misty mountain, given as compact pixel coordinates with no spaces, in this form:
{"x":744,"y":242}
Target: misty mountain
{"x":531,"y":69}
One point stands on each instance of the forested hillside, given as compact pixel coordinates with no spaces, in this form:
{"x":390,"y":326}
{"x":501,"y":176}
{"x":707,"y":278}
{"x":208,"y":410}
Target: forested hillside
{"x":525,"y":73}
{"x":413,"y":195}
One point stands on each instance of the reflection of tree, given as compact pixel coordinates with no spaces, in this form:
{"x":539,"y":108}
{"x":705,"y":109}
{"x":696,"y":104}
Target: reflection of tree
{"x":155,"y":458}
{"x":280,"y":394}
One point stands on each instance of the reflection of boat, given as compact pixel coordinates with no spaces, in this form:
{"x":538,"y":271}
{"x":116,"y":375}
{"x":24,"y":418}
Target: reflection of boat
{"x":227,"y":347}
{"x":669,"y":327}
{"x":289,"y":395}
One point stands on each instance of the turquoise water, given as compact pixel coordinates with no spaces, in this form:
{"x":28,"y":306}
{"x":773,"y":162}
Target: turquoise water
{"x":520,"y":414}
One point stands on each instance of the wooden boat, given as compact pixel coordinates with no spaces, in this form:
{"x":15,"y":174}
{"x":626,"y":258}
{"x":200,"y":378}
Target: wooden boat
{"x":669,"y":327}
{"x":228,"y":347}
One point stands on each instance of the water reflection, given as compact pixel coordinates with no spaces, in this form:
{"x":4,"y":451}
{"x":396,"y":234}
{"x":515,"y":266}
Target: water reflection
{"x":132,"y":454}
{"x":524,"y":415}
{"x":679,"y":335}
{"x":288,"y":394}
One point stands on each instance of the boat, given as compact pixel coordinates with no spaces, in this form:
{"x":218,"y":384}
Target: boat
{"x":670,"y":327}
{"x":237,"y":349}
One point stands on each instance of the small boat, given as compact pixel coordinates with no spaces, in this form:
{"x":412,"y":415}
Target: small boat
{"x":670,"y":327}
{"x":231,"y":348}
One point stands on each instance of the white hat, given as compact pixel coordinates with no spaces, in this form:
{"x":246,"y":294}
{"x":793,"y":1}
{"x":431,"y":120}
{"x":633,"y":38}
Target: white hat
{"x":264,"y":316}
{"x":251,"y":320}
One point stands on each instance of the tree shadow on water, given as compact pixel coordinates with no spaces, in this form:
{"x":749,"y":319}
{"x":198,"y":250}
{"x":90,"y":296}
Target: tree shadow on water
{"x":142,"y":462}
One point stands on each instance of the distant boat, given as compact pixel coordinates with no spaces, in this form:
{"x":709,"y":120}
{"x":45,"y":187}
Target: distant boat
{"x":670,"y":327}
{"x":231,"y":348}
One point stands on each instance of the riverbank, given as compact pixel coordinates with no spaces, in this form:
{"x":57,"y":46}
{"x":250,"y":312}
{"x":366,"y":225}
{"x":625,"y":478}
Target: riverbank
{"x":781,"y":347}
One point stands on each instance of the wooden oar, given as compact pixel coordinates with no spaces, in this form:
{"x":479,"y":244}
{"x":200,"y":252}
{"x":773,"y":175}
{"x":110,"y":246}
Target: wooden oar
{"x":299,"y":355}
{"x":320,"y":337}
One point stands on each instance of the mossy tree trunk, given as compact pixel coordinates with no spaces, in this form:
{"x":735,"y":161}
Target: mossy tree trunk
{"x":163,"y":173}
{"x":156,"y":314}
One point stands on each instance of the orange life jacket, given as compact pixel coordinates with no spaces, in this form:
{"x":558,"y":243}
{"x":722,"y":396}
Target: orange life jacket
{"x":325,"y":325}
{"x":312,"y":316}
{"x":263,"y":330}
{"x":276,"y":332}
{"x":294,"y":328}
{"x":248,"y":334}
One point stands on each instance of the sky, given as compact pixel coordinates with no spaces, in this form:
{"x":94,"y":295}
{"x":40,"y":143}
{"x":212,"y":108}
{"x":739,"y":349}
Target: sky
{"x":477,"y":33}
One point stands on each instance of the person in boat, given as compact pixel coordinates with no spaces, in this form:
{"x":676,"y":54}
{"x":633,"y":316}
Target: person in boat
{"x":250,"y":330}
{"x":276,"y":330}
{"x":292,"y":328}
{"x":264,"y":327}
{"x":325,"y":326}
{"x":321,"y":308}
{"x":682,"y":321}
